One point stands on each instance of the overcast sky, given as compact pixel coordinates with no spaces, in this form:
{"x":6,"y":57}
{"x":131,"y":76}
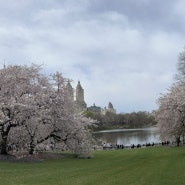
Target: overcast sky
{"x":122,"y":51}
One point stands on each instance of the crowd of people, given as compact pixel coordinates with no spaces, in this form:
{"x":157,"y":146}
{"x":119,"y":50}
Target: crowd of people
{"x":132,"y":146}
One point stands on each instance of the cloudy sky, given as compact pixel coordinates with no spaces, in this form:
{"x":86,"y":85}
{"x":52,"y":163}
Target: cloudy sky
{"x":122,"y":51}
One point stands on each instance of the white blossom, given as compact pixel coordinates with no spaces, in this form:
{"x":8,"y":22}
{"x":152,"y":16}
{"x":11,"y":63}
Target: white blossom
{"x":36,"y":109}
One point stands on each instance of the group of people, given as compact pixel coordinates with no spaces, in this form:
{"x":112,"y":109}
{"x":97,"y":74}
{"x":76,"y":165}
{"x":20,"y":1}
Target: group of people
{"x":121,"y":146}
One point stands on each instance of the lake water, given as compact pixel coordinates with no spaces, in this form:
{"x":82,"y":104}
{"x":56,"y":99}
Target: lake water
{"x":128,"y":137}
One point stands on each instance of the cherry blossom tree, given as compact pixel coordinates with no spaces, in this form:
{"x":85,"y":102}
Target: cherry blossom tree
{"x":72,"y":130}
{"x":36,"y":109}
{"x":171,"y":113}
{"x":18,"y":84}
{"x":180,"y":76}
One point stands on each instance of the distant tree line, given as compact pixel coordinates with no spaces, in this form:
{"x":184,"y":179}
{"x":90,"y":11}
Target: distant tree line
{"x":125,"y":120}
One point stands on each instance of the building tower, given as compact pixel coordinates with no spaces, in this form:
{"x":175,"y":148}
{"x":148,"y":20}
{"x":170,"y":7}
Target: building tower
{"x":79,"y":92}
{"x":80,"y":104}
{"x":111,"y":108}
{"x":69,"y":97}
{"x":69,"y":90}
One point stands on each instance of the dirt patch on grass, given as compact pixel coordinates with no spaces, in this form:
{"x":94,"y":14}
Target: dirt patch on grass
{"x":35,"y":158}
{"x":24,"y":158}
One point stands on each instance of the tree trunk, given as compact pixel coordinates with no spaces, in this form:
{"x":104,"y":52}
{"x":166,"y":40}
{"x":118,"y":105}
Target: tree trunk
{"x":32,"y":146}
{"x":31,"y":150}
{"x":4,"y":135}
{"x":178,"y":140}
{"x":3,"y":147}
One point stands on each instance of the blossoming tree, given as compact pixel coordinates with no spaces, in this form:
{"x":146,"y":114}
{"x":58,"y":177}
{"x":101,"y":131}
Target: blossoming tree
{"x":171,"y":113}
{"x":37,"y":109}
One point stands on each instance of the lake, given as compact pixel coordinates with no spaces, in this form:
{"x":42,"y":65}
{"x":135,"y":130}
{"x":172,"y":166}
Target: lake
{"x":128,"y":137}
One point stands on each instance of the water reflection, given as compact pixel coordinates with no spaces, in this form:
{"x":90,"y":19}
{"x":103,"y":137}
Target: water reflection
{"x":130,"y":136}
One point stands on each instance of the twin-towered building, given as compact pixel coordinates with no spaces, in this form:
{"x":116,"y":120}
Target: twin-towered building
{"x":80,"y":104}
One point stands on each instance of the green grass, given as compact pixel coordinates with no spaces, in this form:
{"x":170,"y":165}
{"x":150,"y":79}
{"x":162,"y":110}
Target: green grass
{"x":151,"y":166}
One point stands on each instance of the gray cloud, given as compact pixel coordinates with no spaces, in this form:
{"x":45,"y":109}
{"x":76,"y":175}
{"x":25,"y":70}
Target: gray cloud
{"x":123,"y":51}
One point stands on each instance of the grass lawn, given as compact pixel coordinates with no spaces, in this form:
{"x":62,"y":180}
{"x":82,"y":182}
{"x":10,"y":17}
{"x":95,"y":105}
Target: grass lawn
{"x":150,"y":166}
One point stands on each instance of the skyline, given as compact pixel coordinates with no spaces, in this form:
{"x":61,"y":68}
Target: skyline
{"x":122,"y":51}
